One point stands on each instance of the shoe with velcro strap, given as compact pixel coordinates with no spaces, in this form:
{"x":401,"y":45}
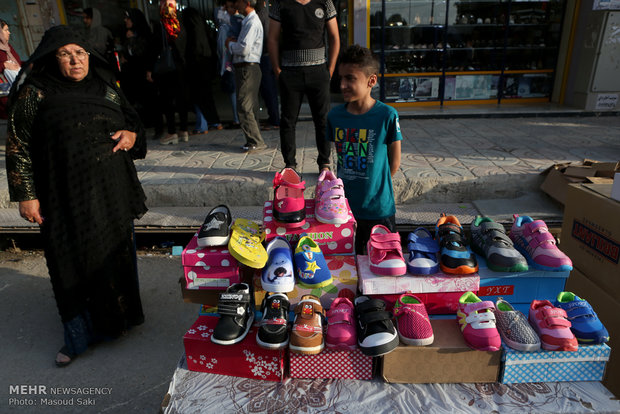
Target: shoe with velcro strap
{"x":236,"y":315}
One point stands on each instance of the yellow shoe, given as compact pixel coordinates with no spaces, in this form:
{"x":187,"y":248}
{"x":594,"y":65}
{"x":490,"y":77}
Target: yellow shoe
{"x":245,"y":243}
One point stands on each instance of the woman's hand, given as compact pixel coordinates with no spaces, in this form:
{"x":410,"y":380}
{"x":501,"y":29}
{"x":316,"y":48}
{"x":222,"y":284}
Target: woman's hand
{"x":31,"y":211}
{"x":125,"y":140}
{"x":11,"y":65}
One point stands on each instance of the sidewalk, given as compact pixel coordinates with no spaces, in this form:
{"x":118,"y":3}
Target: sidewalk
{"x":445,"y":159}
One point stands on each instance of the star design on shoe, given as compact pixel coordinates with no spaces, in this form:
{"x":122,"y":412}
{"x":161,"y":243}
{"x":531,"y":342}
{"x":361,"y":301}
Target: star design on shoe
{"x":213,"y":224}
{"x":312,"y":267}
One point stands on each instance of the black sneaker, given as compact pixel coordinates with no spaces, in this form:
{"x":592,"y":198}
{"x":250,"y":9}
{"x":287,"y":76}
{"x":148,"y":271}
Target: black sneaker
{"x":215,"y":230}
{"x":236,"y":315}
{"x":376,"y":333}
{"x":273,"y":331}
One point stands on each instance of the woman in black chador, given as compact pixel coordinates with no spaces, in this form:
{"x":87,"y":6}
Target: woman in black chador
{"x":72,"y":138}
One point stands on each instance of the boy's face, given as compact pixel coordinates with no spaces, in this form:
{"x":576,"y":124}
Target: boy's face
{"x":355,"y":84}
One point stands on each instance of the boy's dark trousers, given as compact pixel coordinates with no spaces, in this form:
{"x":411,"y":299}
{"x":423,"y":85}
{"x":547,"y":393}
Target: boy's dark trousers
{"x":295,"y":82}
{"x":362,"y":233}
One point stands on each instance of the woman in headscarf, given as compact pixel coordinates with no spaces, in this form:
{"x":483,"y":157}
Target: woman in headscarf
{"x":72,"y":138}
{"x":171,"y":83}
{"x":135,"y":60}
{"x":10,"y":63}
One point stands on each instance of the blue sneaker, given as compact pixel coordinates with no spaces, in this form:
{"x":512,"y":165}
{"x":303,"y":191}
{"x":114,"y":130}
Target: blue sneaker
{"x":455,"y":256}
{"x":586,"y":325}
{"x":423,"y":251}
{"x":310,"y":264}
{"x":278,"y":272}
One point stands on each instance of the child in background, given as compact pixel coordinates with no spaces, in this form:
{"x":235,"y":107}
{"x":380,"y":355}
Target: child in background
{"x":228,"y":27}
{"x":367,"y":137}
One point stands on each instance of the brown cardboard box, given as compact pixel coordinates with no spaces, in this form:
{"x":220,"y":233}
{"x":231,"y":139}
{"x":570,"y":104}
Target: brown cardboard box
{"x":606,"y":307}
{"x":559,"y":176}
{"x":591,"y":234}
{"x":200,"y":296}
{"x":447,"y":360}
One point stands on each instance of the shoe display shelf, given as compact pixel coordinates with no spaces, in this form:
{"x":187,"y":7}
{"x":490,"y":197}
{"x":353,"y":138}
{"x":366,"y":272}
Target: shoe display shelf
{"x":439,"y":292}
{"x":520,"y":288}
{"x":465,"y":51}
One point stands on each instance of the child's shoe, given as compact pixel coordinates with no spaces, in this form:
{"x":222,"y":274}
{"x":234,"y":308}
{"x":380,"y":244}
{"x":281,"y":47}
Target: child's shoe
{"x":278,"y":273}
{"x":412,"y":321}
{"x":385,"y":252}
{"x":310,"y":264}
{"x":376,"y":334}
{"x":455,"y":256}
{"x":341,"y":331}
{"x":423,"y":251}
{"x":215,"y":231}
{"x":330,"y":201}
{"x":552,"y":326}
{"x":289,"y":205}
{"x":236,"y":315}
{"x":477,"y":322}
{"x":533,"y":240}
{"x":513,"y":327}
{"x":585,"y":324}
{"x":273,"y":331}
{"x":307,"y":333}
{"x":489,"y":239}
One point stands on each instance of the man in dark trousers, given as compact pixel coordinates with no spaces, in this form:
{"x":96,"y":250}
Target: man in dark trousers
{"x":303,"y":67}
{"x":246,"y":51}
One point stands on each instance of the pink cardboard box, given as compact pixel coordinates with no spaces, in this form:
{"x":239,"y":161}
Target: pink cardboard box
{"x":331,"y":364}
{"x":244,"y":359}
{"x":219,"y":256}
{"x":331,"y":238}
{"x":211,"y":277}
{"x":344,"y":283}
{"x":439,"y":292}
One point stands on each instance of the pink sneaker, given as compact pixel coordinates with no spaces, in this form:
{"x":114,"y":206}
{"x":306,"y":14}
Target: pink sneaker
{"x":331,"y":205}
{"x":341,"y":330}
{"x":385,"y":252}
{"x":414,"y":326}
{"x":533,"y":240}
{"x":477,"y":322}
{"x":289,"y":205}
{"x":552,"y":326}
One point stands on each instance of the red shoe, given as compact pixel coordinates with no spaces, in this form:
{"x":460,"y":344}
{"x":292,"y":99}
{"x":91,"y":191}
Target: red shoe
{"x":412,"y":321}
{"x":553,"y":327}
{"x":341,"y":326}
{"x":385,"y":252}
{"x":289,"y":205}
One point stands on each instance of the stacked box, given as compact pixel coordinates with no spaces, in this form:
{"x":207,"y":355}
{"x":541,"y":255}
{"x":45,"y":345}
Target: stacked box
{"x":439,"y":292}
{"x":244,"y":359}
{"x":209,"y":267}
{"x":331,"y":364}
{"x":344,"y":283}
{"x":520,"y":288}
{"x":587,"y":364}
{"x":331,"y":238}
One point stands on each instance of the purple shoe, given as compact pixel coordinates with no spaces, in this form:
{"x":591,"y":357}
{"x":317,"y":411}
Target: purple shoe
{"x":533,"y":240}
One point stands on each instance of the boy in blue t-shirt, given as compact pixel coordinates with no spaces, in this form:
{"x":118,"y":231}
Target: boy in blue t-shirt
{"x":367,"y":137}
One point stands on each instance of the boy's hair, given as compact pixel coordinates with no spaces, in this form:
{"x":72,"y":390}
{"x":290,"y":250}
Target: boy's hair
{"x":89,"y":12}
{"x":362,"y":57}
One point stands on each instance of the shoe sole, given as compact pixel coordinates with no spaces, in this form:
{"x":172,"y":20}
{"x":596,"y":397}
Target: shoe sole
{"x":278,"y":287}
{"x":213,"y":241}
{"x":316,"y":285}
{"x":549,"y":347}
{"x":172,"y":142}
{"x":382,"y":349}
{"x":422,"y":270}
{"x":461,"y":270}
{"x":269,"y":345}
{"x":538,"y":266}
{"x":311,"y":350}
{"x":248,"y":325}
{"x":416,"y":342}
{"x":293,"y":217}
{"x":335,"y":220}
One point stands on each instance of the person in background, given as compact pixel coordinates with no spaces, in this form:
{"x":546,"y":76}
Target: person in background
{"x":268,"y":84}
{"x":135,"y":57}
{"x":200,"y":62}
{"x":367,"y":137}
{"x":99,"y":36}
{"x":228,"y":26}
{"x":72,"y":138}
{"x":10,"y":63}
{"x":246,"y":51}
{"x":172,"y":85}
{"x":300,"y":64}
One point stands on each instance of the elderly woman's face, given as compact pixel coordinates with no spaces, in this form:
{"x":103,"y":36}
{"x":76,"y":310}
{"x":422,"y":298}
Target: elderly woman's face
{"x":73,"y":62}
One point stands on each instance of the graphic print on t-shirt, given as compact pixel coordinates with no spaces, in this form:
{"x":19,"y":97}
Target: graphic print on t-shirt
{"x":355,"y":150}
